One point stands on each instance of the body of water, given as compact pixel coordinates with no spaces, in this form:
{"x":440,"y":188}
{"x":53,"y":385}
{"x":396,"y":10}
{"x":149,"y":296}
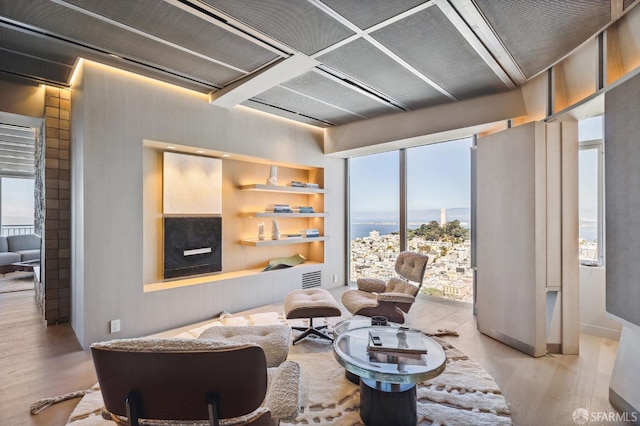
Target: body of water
{"x":589,"y":233}
{"x":359,"y":230}
{"x":362,"y":229}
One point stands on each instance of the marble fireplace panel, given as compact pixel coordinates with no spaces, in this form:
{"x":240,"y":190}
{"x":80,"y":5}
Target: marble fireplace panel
{"x":192,"y":246}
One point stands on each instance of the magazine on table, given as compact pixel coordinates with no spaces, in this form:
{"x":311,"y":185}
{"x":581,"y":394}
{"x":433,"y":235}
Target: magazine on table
{"x":397,"y":341}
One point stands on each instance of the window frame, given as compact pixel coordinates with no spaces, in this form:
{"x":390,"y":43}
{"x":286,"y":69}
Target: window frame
{"x":403,"y":202}
{"x":598,"y":145}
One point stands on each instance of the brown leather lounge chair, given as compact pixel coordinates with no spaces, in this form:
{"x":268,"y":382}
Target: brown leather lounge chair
{"x":193,"y":379}
{"x":393,"y":299}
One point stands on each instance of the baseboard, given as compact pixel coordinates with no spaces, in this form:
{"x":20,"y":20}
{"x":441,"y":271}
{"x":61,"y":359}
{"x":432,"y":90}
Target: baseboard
{"x":509,"y":341}
{"x":554,"y":348}
{"x":607,"y":333}
{"x":627,"y":412}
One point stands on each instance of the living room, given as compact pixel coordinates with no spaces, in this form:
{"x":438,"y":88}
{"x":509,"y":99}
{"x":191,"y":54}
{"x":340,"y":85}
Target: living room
{"x":121,"y":123}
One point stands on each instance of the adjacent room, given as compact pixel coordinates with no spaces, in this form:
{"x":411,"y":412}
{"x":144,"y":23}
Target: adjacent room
{"x":319,"y":212}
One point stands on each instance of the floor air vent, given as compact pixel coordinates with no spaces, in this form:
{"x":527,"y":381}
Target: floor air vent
{"x":311,"y":279}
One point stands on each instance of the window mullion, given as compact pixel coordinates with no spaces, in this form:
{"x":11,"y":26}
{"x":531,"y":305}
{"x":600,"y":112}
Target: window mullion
{"x":402,"y":158}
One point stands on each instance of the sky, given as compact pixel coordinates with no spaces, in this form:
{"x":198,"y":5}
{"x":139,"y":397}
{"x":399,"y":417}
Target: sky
{"x":17,"y":201}
{"x":438,"y":176}
{"x":590,"y":129}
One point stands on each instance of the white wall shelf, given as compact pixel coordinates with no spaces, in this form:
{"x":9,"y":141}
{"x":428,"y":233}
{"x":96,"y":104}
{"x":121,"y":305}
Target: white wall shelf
{"x":282,"y":241}
{"x":278,"y":188}
{"x":289,"y":215}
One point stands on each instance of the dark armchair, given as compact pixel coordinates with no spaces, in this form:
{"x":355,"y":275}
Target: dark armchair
{"x":194,"y":380}
{"x":391,"y":299}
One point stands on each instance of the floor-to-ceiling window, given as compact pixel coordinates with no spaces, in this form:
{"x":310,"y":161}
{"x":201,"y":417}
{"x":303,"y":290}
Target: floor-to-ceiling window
{"x":439,"y":215}
{"x":17,"y":147}
{"x":16,"y":205}
{"x":375,"y":214}
{"x":590,"y":191}
{"x":437,"y":202}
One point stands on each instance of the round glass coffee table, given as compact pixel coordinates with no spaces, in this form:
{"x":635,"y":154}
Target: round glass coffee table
{"x":387,"y":378}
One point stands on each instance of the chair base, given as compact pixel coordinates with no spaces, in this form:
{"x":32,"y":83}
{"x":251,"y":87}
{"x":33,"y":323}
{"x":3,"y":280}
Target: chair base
{"x":311,"y":331}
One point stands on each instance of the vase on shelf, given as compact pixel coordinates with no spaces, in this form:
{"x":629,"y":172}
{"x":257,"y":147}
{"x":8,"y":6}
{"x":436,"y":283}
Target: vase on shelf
{"x":273,"y":176}
{"x":261,"y":231}
{"x":275,"y":230}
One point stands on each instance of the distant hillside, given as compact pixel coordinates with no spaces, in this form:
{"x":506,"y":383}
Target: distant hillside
{"x":463,"y":214}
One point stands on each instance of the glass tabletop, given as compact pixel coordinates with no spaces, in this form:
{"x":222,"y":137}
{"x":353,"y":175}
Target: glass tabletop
{"x":351,"y":351}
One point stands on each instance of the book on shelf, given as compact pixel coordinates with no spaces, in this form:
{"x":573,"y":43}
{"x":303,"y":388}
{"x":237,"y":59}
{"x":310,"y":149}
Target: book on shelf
{"x":311,"y":185}
{"x":397,"y":342}
{"x":310,"y":233}
{"x":296,"y":184}
{"x":291,"y":236}
{"x":303,"y":209}
{"x":278,"y":208}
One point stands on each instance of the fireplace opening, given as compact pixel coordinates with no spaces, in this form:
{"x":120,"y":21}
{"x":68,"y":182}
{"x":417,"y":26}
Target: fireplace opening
{"x":192,"y":245}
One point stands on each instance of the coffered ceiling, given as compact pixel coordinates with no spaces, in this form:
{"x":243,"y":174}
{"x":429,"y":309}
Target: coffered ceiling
{"x":321,"y":62}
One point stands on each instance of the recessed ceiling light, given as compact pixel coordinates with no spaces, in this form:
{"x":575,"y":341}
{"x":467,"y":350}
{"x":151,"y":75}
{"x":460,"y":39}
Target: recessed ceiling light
{"x":171,"y":147}
{"x":199,"y":151}
{"x":226,"y":155}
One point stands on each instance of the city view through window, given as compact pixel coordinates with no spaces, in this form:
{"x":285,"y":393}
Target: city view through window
{"x":590,"y":191}
{"x":438,"y":204}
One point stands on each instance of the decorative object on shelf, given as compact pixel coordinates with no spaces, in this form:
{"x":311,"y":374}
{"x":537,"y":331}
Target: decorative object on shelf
{"x":273,"y":176}
{"x":275,"y":230}
{"x":261,"y":231}
{"x":285,"y":262}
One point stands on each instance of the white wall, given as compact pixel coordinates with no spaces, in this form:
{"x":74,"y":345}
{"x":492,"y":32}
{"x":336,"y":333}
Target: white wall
{"x":113,"y":112}
{"x":593,"y":318}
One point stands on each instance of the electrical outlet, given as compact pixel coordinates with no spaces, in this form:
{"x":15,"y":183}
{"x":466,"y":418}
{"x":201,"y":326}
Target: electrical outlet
{"x":114,"y":325}
{"x":335,"y":278}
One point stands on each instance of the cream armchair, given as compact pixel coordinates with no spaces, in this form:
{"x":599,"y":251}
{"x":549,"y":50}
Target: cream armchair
{"x":391,"y":299}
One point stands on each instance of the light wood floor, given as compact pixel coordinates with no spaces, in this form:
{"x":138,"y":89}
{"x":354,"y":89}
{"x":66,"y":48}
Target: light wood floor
{"x":38,"y":361}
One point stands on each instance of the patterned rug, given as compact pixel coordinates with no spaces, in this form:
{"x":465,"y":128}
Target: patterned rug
{"x":463,"y":394}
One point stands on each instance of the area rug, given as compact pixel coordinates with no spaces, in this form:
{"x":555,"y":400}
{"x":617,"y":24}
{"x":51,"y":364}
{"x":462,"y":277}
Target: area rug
{"x":19,"y":281}
{"x":464,"y":394}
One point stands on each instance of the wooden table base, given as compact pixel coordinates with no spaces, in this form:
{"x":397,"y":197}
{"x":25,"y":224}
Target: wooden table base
{"x":384,"y":404}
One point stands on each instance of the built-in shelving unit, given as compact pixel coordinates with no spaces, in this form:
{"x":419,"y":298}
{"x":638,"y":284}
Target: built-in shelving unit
{"x":248,"y":204}
{"x":294,"y":191}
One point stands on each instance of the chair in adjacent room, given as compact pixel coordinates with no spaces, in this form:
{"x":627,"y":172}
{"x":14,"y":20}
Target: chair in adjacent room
{"x":190,"y":380}
{"x":394,"y":298}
